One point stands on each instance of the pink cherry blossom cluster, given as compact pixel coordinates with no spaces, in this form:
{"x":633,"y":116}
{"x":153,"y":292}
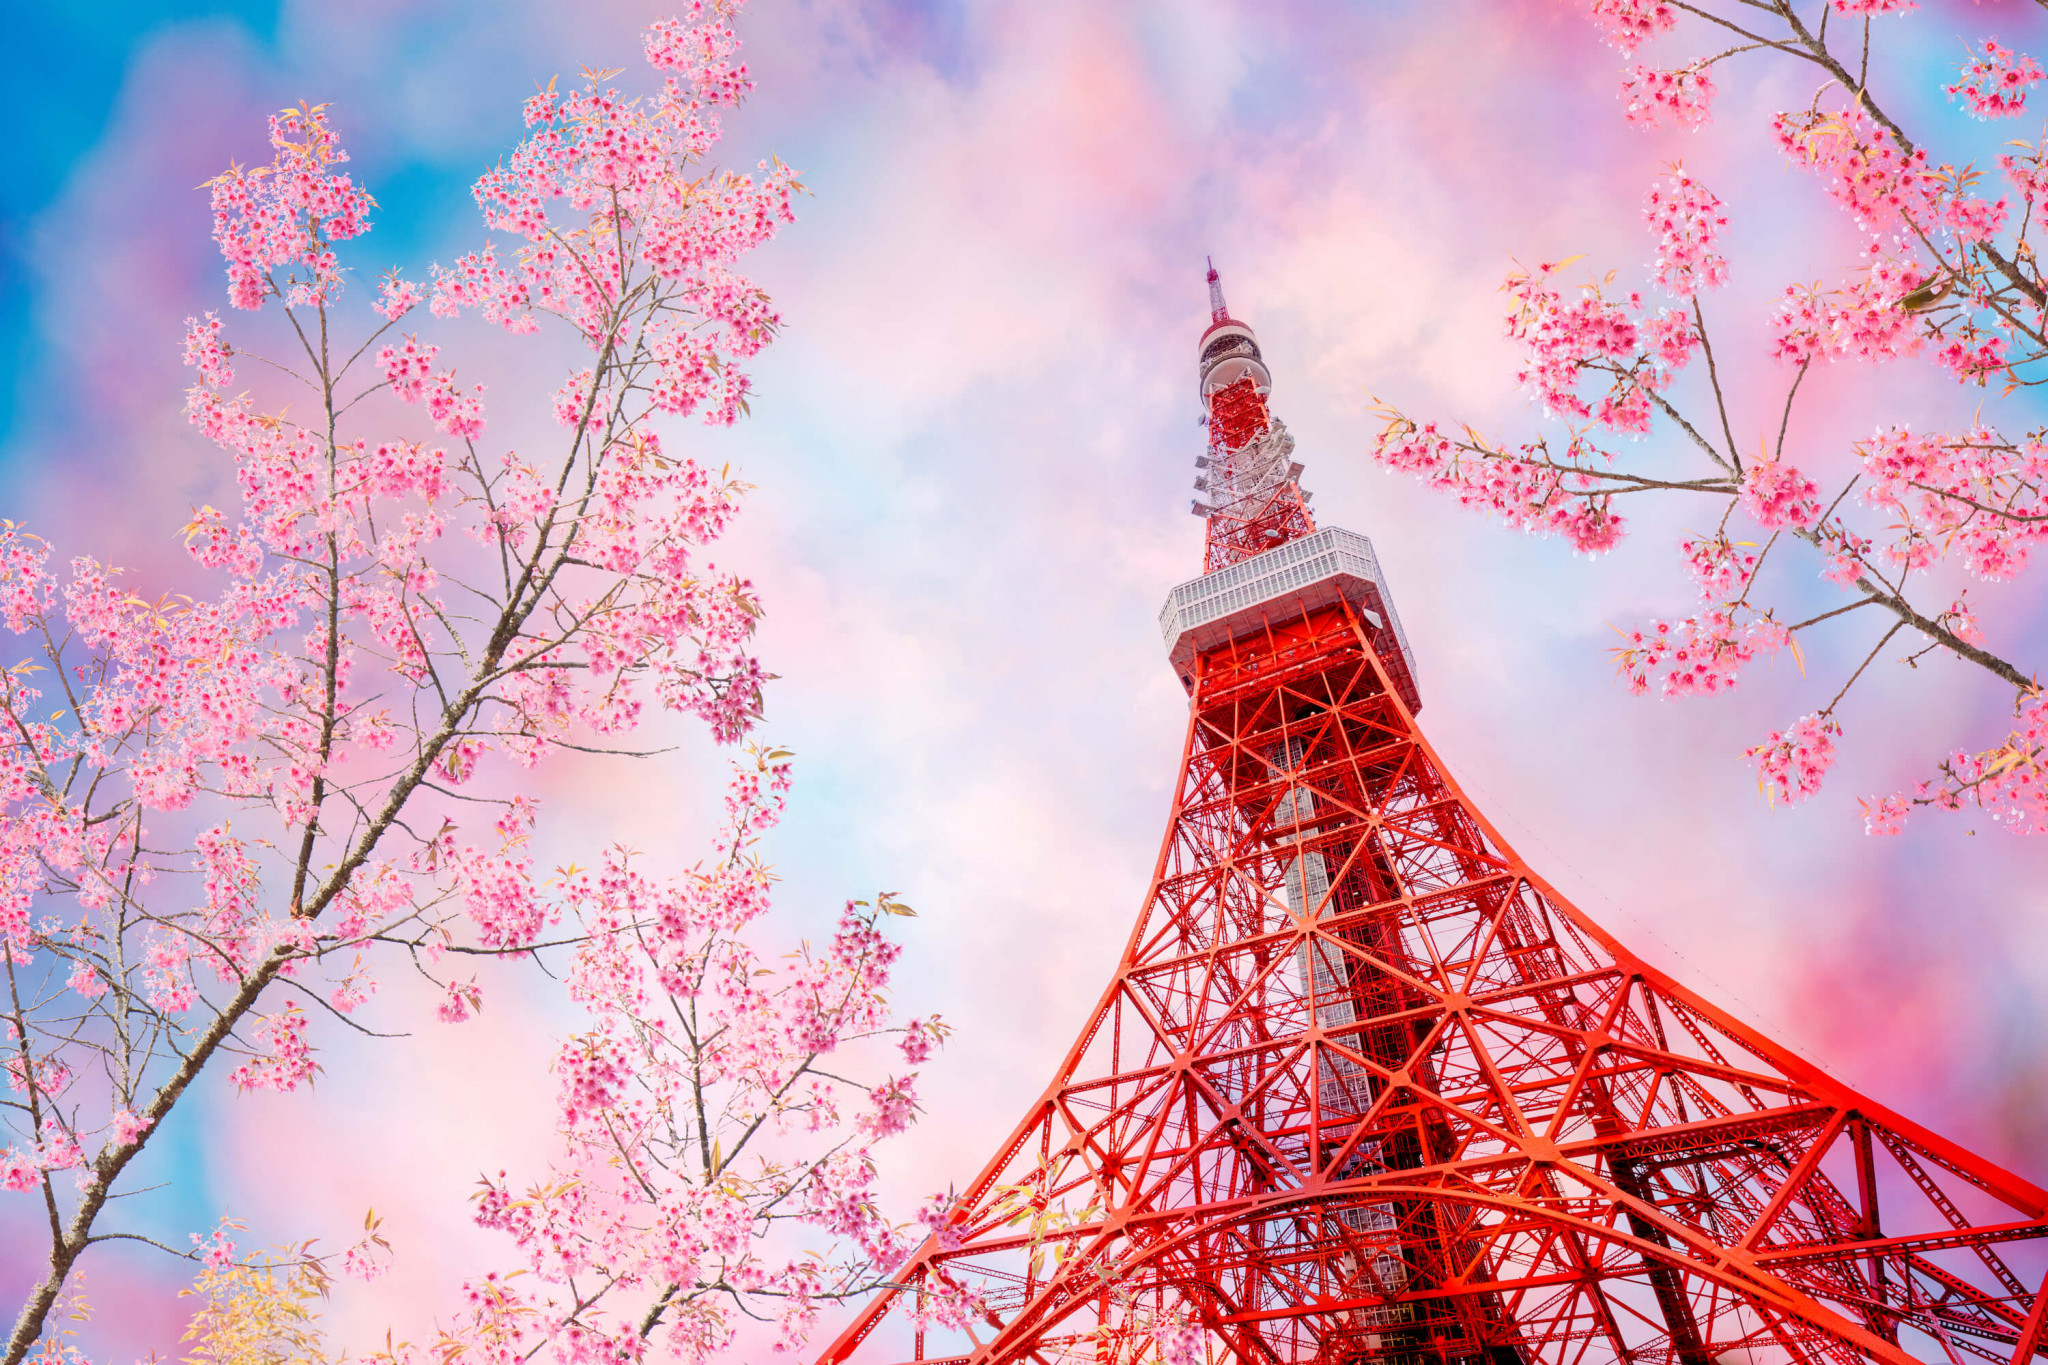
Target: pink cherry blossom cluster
{"x":1720,"y":567}
{"x":1626,"y":23}
{"x":1526,"y":488}
{"x":461,"y":1001}
{"x":1977,"y":495}
{"x":1778,"y":495}
{"x":217,"y":1249}
{"x":1996,"y":83}
{"x":1867,"y":7}
{"x":1639,"y":356}
{"x":45,"y":1084}
{"x":1864,"y":169}
{"x":1562,"y":341}
{"x":288,"y":216}
{"x":666,"y":1208}
{"x":895,"y":1108}
{"x":702,"y":54}
{"x":1973,"y":220}
{"x":1681,"y":98}
{"x":2029,"y":176}
{"x":1669,"y":339}
{"x":396,"y":296}
{"x":499,"y":892}
{"x":609,"y":162}
{"x":205,"y":349}
{"x":1959,"y":617}
{"x":20,"y":1170}
{"x":1792,"y":763}
{"x":1699,"y":655}
{"x":594,"y":1075}
{"x":1686,"y":217}
{"x":943,"y":1215}
{"x":1181,"y":1343}
{"x":1884,"y":188}
{"x":290,"y":1059}
{"x":2008,"y":782}
{"x":46,"y":1076}
{"x":920,"y":1037}
{"x":1860,"y":321}
{"x":408,"y":369}
{"x":367,"y":1259}
{"x":1885,"y":815}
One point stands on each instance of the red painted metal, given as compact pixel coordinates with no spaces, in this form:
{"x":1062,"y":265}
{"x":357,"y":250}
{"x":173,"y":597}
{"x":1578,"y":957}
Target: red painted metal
{"x":1363,"y":1087}
{"x":1238,"y":423}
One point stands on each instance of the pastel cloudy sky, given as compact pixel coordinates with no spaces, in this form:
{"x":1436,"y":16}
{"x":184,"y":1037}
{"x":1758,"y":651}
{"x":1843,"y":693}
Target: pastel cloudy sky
{"x":973,"y":451}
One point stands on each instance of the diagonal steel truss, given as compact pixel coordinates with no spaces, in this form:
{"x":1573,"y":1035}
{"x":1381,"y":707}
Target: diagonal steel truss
{"x":1364,"y":1088}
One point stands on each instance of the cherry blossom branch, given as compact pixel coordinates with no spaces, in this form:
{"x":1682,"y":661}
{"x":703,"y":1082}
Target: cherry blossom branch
{"x":1830,"y":615}
{"x":1875,"y":650}
{"x":1947,"y":279}
{"x":206,"y":702}
{"x":2002,"y":513}
{"x":1955,"y":644}
{"x":1816,"y":50}
{"x":1733,"y":464}
{"x":1785,"y":419}
{"x":1754,"y":40}
{"x":66,"y":1246}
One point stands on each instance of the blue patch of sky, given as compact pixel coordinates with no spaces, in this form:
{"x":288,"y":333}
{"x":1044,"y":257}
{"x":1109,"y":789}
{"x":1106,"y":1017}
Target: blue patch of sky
{"x":420,"y":205}
{"x":934,"y":32}
{"x":66,"y":63}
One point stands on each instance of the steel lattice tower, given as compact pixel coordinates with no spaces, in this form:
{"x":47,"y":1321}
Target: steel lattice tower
{"x":1364,"y":1088}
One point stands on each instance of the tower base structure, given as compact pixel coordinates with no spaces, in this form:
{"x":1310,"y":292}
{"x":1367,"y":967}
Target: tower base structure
{"x":1365,"y":1088}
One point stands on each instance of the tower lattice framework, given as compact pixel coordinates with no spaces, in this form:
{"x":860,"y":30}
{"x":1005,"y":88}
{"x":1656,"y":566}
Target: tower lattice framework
{"x":1364,"y":1088}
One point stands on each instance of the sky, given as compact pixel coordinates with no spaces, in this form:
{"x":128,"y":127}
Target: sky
{"x":972,"y":449}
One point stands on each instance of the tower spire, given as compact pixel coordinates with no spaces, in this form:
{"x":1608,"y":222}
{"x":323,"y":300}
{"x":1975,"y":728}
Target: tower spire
{"x":1255,"y":503}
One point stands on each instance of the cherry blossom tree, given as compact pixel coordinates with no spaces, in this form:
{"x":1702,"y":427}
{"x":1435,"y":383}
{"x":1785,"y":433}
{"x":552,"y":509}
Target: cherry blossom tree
{"x":1948,"y":278}
{"x":227,"y":818}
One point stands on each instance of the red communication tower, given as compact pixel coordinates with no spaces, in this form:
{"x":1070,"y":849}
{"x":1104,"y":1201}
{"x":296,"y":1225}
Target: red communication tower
{"x":1364,"y":1088}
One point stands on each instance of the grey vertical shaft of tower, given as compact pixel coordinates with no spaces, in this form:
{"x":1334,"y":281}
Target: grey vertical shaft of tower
{"x":1323,"y":982}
